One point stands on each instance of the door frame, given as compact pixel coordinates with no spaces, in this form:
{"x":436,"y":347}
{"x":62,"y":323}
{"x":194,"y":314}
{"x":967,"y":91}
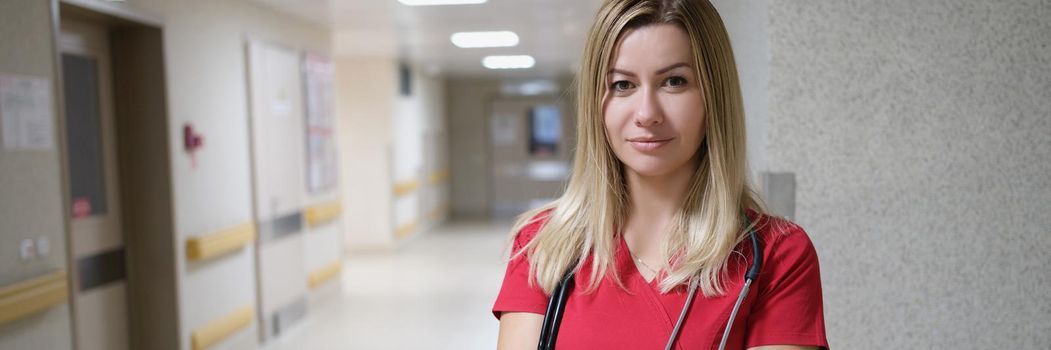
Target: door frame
{"x":568,"y":139}
{"x":151,"y":267}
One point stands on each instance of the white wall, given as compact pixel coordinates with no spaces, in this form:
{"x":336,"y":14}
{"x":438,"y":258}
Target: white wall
{"x":920,"y":136}
{"x":468,"y":110}
{"x":205,"y":55}
{"x":746,"y":23}
{"x":387,"y":139}
{"x":407,"y":152}
{"x":31,"y":199}
{"x":204,"y":44}
{"x":434,"y":197}
{"x":324,"y":244}
{"x":366,"y":89}
{"x":417,"y":125}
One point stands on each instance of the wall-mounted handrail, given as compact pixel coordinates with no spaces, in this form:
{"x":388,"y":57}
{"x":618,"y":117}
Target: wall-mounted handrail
{"x":320,"y":214}
{"x":406,"y":187}
{"x":406,"y":229}
{"x":318,"y":277}
{"x":217,"y":330}
{"x":32,"y":296}
{"x":439,"y":176}
{"x":218,"y":243}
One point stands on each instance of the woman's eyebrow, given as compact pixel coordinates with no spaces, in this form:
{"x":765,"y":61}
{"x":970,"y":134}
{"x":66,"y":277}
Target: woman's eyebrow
{"x":673,"y":66}
{"x":659,"y":71}
{"x":620,"y":71}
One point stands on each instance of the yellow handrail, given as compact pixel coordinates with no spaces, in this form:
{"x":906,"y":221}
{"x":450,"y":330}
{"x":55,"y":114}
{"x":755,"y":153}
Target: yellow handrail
{"x":322,"y":275}
{"x":406,"y":229}
{"x":217,"y":330}
{"x":439,"y":176}
{"x":406,"y":187}
{"x":322,"y":213}
{"x":215,"y":244}
{"x":32,"y":296}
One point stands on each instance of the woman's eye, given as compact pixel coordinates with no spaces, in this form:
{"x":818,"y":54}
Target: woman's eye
{"x":622,"y":85}
{"x":676,"y":81}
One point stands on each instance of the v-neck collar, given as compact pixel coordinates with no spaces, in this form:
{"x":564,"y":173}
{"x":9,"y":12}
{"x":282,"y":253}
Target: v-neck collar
{"x":647,"y":290}
{"x":633,"y":269}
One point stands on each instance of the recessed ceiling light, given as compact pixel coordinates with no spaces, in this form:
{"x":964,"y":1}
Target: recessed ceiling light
{"x":508,"y":62}
{"x":440,"y":2}
{"x":484,"y":39}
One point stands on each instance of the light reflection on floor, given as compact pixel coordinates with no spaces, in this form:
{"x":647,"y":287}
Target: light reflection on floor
{"x":435,"y":292}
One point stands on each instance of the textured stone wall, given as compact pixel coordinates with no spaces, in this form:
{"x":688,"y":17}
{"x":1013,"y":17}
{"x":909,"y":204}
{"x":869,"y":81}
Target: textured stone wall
{"x":920,"y":135}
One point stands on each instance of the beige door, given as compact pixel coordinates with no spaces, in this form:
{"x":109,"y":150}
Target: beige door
{"x":530,"y":144}
{"x":277,"y":130}
{"x":96,"y":240}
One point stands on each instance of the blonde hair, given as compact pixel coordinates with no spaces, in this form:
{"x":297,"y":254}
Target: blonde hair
{"x":585,"y":220}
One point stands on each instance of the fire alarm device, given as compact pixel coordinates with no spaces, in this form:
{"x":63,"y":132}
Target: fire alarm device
{"x":192,"y":141}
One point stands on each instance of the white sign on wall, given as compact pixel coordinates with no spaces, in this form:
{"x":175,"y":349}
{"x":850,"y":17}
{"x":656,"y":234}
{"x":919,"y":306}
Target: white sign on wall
{"x":504,"y":129}
{"x":25,"y":113}
{"x":318,"y":73}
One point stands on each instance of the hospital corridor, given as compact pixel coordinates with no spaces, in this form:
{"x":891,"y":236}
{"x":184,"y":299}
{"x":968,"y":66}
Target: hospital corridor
{"x":349,"y":174}
{"x":440,"y":286}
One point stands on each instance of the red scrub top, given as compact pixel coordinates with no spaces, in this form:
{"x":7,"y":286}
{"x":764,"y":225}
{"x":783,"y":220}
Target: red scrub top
{"x":783,"y":306}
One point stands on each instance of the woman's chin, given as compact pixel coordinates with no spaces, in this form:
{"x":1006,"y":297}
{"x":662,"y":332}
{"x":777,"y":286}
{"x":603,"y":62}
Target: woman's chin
{"x":650,"y":168}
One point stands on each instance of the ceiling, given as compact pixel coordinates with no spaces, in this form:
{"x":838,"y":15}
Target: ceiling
{"x":552,"y":31}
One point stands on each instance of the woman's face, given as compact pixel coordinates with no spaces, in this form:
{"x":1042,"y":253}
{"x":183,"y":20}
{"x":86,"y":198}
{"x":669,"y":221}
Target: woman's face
{"x":653,"y":109}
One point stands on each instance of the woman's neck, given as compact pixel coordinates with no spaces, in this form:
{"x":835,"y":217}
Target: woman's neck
{"x":654,"y":200}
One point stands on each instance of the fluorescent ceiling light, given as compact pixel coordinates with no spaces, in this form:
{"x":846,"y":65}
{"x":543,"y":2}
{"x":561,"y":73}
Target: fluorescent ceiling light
{"x":508,"y":62}
{"x":484,"y":39}
{"x":440,"y":2}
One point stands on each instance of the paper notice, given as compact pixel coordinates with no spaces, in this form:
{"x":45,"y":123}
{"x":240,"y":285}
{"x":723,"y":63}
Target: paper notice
{"x":503,"y":129}
{"x":25,"y":113}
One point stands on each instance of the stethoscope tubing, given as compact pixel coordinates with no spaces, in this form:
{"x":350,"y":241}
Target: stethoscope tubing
{"x":553,"y":317}
{"x":557,"y":304}
{"x":733,"y":315}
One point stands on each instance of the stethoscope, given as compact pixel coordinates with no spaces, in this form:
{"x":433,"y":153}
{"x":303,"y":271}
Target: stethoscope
{"x":557,"y":304}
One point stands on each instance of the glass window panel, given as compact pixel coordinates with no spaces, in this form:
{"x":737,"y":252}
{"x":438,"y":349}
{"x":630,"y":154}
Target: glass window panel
{"x":545,"y":126}
{"x":84,"y":136}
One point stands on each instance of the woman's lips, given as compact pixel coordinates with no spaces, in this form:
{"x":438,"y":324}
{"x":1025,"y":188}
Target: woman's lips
{"x":648,"y":144}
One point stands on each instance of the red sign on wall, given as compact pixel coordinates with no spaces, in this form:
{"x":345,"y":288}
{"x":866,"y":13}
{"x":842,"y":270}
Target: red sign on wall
{"x":81,"y":208}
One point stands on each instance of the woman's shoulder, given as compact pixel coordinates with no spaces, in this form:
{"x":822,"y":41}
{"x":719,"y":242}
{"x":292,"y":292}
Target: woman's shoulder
{"x":773,"y":225}
{"x":528,"y":227}
{"x":783,"y":238}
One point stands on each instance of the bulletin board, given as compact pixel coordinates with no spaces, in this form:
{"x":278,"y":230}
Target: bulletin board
{"x":318,"y":72}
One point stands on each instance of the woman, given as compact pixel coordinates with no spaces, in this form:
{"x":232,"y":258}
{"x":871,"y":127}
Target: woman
{"x":658,"y":204}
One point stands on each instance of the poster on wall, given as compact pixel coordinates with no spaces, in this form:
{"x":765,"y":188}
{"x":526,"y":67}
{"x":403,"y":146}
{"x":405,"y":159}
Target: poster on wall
{"x":25,"y":113}
{"x":503,"y":129}
{"x":318,"y":72}
{"x":545,"y":129}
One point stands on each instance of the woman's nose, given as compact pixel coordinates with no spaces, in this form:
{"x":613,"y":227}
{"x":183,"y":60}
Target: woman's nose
{"x":648,"y":109}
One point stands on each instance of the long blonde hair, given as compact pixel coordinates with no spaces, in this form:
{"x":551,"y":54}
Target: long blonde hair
{"x":584,"y":221}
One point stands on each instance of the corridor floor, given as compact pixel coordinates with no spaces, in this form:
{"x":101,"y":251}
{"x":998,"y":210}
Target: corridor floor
{"x":435,"y":292}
